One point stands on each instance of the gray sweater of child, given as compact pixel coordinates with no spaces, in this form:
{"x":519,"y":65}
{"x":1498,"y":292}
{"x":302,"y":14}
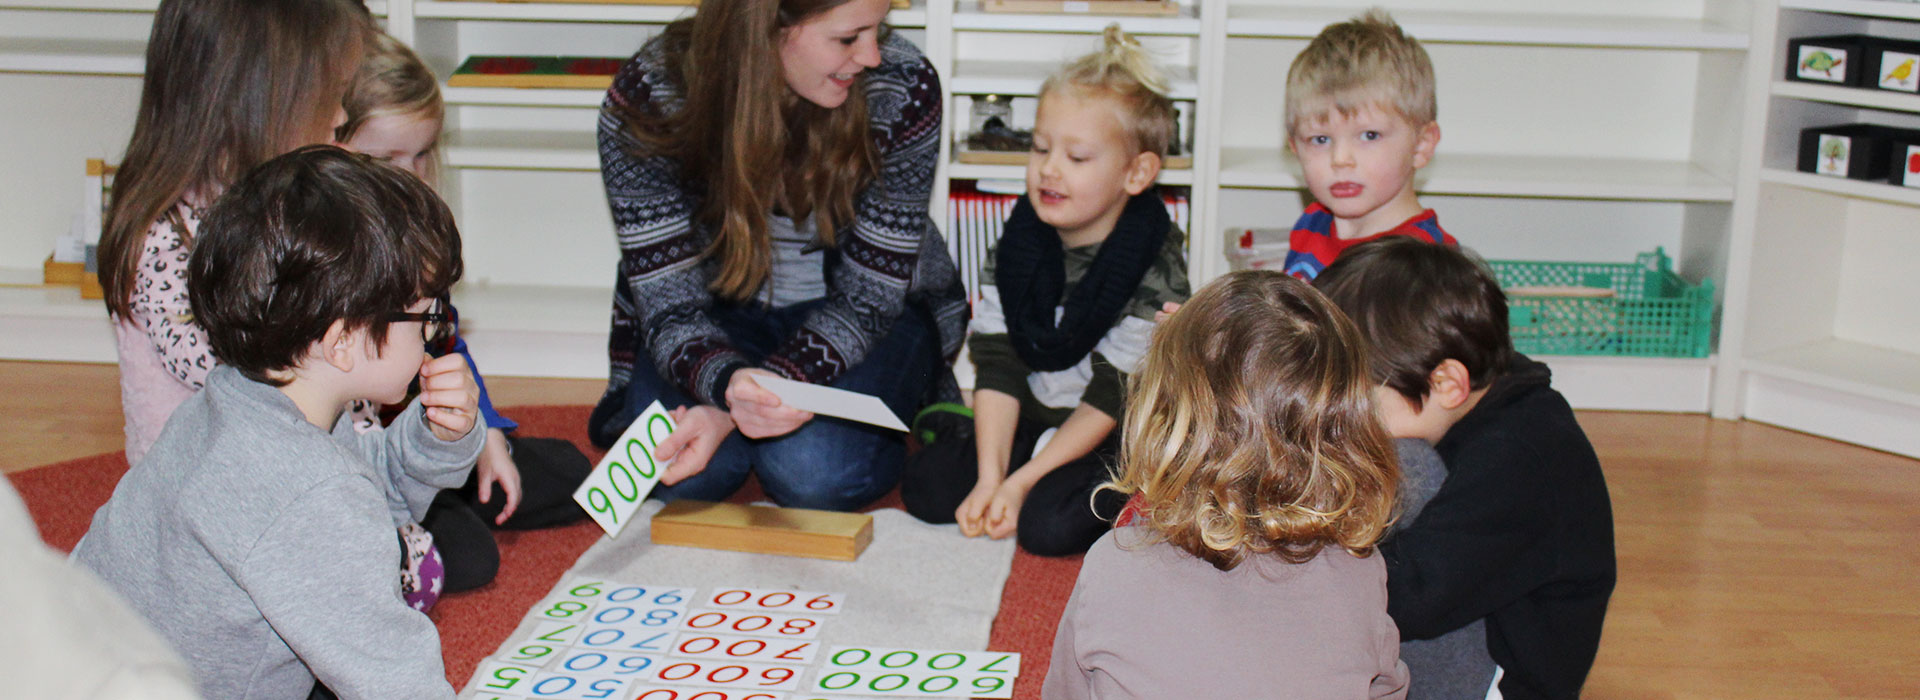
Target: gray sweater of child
{"x":1152,"y":621}
{"x":264,"y":549}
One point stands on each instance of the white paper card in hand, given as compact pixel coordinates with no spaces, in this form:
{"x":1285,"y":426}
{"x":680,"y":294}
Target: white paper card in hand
{"x":828,"y":401}
{"x":621,"y":481}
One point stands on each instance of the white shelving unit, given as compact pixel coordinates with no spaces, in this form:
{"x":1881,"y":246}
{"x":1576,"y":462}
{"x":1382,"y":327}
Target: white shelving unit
{"x":1590,"y":131}
{"x":76,"y":56}
{"x":1817,"y":325}
{"x":1535,"y":161}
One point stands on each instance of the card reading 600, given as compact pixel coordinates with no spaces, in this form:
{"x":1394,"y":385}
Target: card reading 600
{"x":622,"y":479}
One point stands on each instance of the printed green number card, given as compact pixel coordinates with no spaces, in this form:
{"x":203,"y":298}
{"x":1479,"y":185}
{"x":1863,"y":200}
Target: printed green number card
{"x":622,"y":479}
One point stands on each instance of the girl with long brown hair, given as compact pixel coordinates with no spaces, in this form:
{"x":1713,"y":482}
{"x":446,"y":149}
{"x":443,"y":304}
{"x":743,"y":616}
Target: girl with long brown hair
{"x":1261,"y":481}
{"x":229,"y":85}
{"x":769,"y":165}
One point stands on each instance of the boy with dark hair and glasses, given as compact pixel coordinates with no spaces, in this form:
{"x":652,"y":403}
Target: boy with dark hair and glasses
{"x":258,"y":535}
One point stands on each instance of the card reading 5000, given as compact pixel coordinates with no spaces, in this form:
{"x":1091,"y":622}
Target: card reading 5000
{"x":621,"y":481}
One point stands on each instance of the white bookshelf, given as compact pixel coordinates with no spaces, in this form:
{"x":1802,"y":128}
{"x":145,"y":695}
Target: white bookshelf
{"x":1509,"y":176}
{"x":1629,"y":111}
{"x":548,"y":12}
{"x":1871,"y":9}
{"x":522,"y":150}
{"x":967,"y":16}
{"x":54,"y":324}
{"x":1501,"y":27}
{"x":1818,"y":332}
{"x":72,"y":56}
{"x":1852,"y":97}
{"x":86,"y":5}
{"x":989,"y":77}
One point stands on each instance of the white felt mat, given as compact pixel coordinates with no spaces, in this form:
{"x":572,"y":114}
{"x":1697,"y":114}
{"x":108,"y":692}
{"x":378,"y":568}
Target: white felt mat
{"x":917,"y":585}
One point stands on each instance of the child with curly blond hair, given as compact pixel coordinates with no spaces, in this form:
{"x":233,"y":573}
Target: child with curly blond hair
{"x":1260,"y":481}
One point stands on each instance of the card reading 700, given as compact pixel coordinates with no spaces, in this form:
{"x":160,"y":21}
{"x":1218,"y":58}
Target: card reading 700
{"x":616,"y":486}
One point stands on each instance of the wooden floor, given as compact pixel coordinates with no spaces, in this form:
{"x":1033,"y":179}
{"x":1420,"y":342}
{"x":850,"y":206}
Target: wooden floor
{"x":1754,"y":562}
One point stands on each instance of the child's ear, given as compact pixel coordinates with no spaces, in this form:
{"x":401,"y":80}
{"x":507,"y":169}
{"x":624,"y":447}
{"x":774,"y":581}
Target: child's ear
{"x":1449,"y":385}
{"x":1424,"y":147}
{"x":1141,"y":173}
{"x":339,"y":345}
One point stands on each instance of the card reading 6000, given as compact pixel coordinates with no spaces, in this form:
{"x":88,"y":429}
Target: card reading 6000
{"x":622,"y":479}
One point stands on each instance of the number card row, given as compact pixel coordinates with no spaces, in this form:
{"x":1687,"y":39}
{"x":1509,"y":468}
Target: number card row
{"x":542,"y":650}
{"x":917,"y":672}
{"x":598,"y":676}
{"x":594,"y":591}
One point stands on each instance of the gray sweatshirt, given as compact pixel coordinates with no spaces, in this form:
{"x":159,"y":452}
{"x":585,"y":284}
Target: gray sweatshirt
{"x":264,"y":549}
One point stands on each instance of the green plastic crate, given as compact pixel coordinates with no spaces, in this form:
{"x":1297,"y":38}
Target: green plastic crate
{"x":1652,"y":313}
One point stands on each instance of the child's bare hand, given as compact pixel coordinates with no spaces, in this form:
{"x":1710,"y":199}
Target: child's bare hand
{"x":1166,"y":310}
{"x":1003,"y":514}
{"x":450,"y":396}
{"x":697,"y":434}
{"x":496,"y":467}
{"x":972,"y":513}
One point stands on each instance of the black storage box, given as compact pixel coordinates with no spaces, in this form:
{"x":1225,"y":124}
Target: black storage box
{"x":1893,"y":65}
{"x":1830,"y":60}
{"x":1858,"y":151}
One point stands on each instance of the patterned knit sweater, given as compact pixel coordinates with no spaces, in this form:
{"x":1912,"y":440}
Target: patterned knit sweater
{"x":889,"y":258}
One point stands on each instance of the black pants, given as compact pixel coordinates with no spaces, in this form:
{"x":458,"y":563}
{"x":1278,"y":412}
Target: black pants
{"x":462,"y":526}
{"x":466,"y":545}
{"x":1061,"y":516}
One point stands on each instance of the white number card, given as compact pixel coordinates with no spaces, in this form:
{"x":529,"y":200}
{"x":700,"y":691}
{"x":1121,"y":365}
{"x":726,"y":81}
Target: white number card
{"x":622,"y":479}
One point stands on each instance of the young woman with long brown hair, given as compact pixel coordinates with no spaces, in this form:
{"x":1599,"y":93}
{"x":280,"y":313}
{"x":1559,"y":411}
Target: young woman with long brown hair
{"x":769,"y":164}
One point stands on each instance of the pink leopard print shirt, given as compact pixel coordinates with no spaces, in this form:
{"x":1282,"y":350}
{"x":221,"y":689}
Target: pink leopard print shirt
{"x":163,"y":354}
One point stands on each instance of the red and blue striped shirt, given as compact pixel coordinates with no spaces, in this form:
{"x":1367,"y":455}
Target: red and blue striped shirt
{"x":1314,"y":245}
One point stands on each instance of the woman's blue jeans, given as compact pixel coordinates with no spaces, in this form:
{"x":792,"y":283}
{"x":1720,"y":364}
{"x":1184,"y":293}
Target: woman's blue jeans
{"x":826,"y":464}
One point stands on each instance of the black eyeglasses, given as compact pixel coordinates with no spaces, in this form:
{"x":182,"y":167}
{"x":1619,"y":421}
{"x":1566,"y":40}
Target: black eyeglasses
{"x":436,"y":323}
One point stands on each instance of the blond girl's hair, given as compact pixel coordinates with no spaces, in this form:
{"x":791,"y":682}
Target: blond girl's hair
{"x":1362,"y":63}
{"x":740,"y":122}
{"x":1123,"y":71}
{"x":393,"y":81}
{"x":229,"y":85}
{"x":1250,"y":427}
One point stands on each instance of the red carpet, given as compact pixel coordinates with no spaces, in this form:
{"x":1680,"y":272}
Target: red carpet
{"x":62,"y":498}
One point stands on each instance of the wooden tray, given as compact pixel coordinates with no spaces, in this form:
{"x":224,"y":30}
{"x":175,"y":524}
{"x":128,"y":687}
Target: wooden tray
{"x":1146,"y":8}
{"x":592,"y":72}
{"x":793,"y":532}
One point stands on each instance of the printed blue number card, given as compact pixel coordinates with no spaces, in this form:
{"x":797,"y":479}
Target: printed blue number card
{"x":615,"y":488}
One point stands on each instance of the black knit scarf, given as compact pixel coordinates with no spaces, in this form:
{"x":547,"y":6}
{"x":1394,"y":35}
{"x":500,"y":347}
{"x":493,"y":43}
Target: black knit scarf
{"x":1031,"y":274}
